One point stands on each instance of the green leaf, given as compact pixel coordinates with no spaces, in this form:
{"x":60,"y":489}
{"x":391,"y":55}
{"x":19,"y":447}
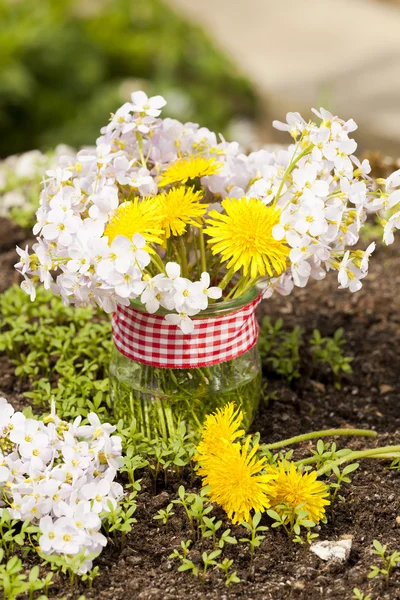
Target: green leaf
{"x":256,"y":519}
{"x":350,"y":468}
{"x":374,"y":572}
{"x":378,"y":547}
{"x":274,"y":515}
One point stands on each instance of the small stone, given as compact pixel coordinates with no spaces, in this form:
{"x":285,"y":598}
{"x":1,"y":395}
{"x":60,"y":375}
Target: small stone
{"x":151,"y":594}
{"x":134,"y":560}
{"x":385,"y":389}
{"x":398,"y":521}
{"x":160,"y":500}
{"x":318,"y":386}
{"x":336,"y":550}
{"x":299,"y":585}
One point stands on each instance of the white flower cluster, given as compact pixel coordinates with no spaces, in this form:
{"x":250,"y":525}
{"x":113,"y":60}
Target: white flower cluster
{"x":173,"y":292}
{"x":323,"y":192}
{"x":80,"y":196}
{"x":390,"y":204}
{"x":59,"y":476}
{"x":325,"y":195}
{"x":21,"y":176}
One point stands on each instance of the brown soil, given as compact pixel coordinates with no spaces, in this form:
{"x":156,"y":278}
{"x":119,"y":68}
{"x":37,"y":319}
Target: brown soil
{"x":370,"y":398}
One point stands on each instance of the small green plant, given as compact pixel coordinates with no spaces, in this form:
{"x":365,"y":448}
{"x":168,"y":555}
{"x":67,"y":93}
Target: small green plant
{"x":186,"y":563}
{"x":196,"y":507}
{"x":90,"y":576}
{"x":225,"y":566}
{"x":255,"y":530}
{"x":14,"y":581}
{"x":209,"y":560}
{"x":292,"y":520}
{"x":36,"y":583}
{"x":185,"y":546}
{"x":13,"y":533}
{"x":326,"y":452}
{"x":358,"y":595}
{"x":199,"y":507}
{"x":342,"y":476}
{"x":226,"y":538}
{"x":132,"y":463}
{"x":164,"y":515}
{"x":209,"y":528}
{"x":67,"y":565}
{"x":390,"y":562}
{"x":395,"y":464}
{"x":326,"y":456}
{"x":280,"y":349}
{"x":328,"y":351}
{"x":119,"y":518}
{"x":182,"y":500}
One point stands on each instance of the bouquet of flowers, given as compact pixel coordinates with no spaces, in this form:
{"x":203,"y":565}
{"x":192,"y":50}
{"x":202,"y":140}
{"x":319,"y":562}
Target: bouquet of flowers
{"x":180,"y":234}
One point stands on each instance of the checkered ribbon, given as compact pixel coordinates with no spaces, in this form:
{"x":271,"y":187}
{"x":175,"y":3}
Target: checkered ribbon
{"x":149,"y":339}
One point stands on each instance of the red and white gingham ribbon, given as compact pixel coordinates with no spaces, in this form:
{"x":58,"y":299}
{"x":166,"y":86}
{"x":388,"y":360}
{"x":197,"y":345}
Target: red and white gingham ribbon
{"x":149,"y":339}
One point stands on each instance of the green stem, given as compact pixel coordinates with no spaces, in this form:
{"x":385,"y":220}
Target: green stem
{"x":156,"y":260}
{"x":182,"y":254}
{"x":318,"y":434}
{"x":195,"y":252}
{"x":289,"y":169}
{"x":387,"y":451}
{"x":176,"y":253}
{"x":307,"y":461}
{"x":246,"y":284}
{"x":313,"y":459}
{"x":202,"y":245}
{"x":227,"y":278}
{"x":233,"y":290}
{"x":140,"y":143}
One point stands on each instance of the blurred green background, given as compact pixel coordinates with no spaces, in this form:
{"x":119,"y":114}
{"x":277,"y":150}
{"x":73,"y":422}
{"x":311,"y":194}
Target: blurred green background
{"x":65,"y":65}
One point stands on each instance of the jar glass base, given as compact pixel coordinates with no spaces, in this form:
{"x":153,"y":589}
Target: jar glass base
{"x":157,"y":399}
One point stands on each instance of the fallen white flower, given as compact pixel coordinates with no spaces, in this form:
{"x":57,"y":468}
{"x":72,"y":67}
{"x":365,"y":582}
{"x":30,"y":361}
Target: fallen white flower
{"x":337,"y":550}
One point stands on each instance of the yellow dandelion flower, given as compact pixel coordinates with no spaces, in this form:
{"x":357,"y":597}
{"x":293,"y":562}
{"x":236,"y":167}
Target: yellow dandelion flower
{"x":292,"y":487}
{"x":242,"y":235}
{"x":179,"y":208}
{"x":190,"y":168}
{"x":235,"y":479}
{"x":136,"y":216}
{"x":219,"y":428}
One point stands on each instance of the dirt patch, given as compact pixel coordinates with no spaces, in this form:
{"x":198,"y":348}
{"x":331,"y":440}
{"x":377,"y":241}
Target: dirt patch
{"x":369,"y":398}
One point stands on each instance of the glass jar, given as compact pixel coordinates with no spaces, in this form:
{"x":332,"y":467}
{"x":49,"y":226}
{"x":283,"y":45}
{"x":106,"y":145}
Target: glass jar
{"x":158,"y":398}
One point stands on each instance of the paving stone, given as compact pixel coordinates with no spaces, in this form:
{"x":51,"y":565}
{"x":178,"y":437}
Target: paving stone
{"x":344,"y":54}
